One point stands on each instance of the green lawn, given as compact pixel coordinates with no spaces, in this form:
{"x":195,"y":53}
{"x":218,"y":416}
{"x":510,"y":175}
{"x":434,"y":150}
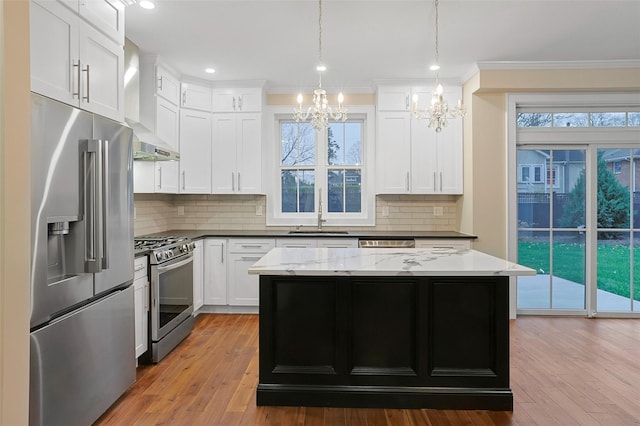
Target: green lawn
{"x":569,"y":263}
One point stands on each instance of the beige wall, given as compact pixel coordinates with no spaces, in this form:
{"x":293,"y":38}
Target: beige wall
{"x":14,"y":212}
{"x":483,"y":209}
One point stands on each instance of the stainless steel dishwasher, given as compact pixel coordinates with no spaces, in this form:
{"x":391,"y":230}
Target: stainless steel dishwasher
{"x":397,"y":243}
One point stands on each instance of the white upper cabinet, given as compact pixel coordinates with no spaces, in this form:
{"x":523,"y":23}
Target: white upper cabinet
{"x":105,"y":15}
{"x":413,"y":158}
{"x":393,"y":98}
{"x":194,"y":96}
{"x":195,"y":152}
{"x":75,"y":61}
{"x":237,"y":100}
{"x":237,"y":153}
{"x":167,"y":125}
{"x":167,"y":85}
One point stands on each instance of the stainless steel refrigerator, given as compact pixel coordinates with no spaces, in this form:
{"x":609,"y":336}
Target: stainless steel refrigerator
{"x":82,"y":312}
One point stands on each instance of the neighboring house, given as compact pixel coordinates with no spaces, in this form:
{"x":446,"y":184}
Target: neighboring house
{"x":536,"y":174}
{"x":619,"y":163}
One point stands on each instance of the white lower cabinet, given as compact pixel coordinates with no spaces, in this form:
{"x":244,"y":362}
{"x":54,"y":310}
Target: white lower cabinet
{"x":243,"y":289}
{"x":215,"y":271}
{"x":317,"y":242}
{"x":337,"y":243}
{"x":296,"y":243}
{"x":141,"y":305}
{"x":198,"y":275}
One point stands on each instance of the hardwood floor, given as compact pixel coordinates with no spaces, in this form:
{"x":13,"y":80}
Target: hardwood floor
{"x":564,"y":371}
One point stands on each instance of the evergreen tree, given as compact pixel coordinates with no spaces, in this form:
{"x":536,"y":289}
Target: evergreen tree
{"x":613,"y":202}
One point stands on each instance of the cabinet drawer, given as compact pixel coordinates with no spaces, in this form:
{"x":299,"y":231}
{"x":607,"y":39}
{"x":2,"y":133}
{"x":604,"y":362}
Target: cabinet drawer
{"x":140,"y":267}
{"x":443,"y":244}
{"x":296,"y":243}
{"x":338,"y":243}
{"x":251,"y":245}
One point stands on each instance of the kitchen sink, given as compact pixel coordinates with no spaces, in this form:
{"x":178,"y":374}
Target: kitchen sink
{"x":316,"y":232}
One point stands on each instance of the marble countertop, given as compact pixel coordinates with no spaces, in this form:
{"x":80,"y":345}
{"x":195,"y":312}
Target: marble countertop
{"x":384,"y":262}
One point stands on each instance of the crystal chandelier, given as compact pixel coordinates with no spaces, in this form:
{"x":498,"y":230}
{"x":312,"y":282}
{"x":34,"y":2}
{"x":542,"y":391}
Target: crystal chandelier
{"x":320,"y":111}
{"x":437,"y":112}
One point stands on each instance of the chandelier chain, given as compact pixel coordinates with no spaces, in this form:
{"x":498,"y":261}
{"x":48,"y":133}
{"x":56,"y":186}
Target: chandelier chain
{"x":437,"y":35}
{"x":320,"y":41}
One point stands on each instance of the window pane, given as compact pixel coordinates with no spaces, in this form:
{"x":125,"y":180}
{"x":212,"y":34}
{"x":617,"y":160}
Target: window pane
{"x":345,"y":191}
{"x":569,"y":201}
{"x":608,"y":119}
{"x":534,"y":119}
{"x":614,"y":196}
{"x":297,"y":144}
{"x":344,"y":143}
{"x":614,"y":269}
{"x":298,"y":189}
{"x":569,"y":262}
{"x":634,"y":119}
{"x":533,"y":251}
{"x":533,"y":196}
{"x":570,"y":119}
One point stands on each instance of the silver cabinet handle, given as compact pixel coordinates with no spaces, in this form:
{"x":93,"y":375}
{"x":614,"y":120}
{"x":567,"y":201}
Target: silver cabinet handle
{"x":406,"y":182}
{"x":184,"y":179}
{"x":254,"y":258}
{"x":406,"y":102}
{"x":440,"y":181}
{"x":240,"y":103}
{"x":160,"y":177}
{"x":234,"y":103}
{"x":78,"y":78}
{"x":233,"y":181}
{"x":222,"y":254}
{"x":434,"y":181}
{"x":239,"y":182}
{"x":160,"y":80}
{"x":88,"y":84}
{"x":184,"y":98}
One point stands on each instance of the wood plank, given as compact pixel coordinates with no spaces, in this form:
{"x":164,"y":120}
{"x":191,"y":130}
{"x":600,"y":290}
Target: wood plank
{"x":564,"y":371}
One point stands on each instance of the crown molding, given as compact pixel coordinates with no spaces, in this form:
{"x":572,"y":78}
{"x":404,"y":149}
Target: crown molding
{"x":546,"y":65}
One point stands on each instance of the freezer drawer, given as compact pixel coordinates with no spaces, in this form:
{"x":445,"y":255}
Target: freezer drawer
{"x":82,"y":362}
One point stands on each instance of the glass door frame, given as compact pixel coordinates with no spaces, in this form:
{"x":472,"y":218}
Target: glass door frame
{"x":591,"y":140}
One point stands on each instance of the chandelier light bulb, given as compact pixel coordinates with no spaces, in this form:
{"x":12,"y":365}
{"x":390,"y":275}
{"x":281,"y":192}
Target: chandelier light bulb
{"x":321,"y":68}
{"x":300,"y":98}
{"x":434,"y":67}
{"x":439,"y":89}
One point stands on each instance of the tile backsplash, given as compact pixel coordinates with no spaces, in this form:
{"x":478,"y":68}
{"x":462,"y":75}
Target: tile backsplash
{"x":163,"y":212}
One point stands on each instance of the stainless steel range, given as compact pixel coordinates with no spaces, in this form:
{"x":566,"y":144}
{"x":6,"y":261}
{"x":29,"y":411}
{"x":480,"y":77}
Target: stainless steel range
{"x":171,"y":292}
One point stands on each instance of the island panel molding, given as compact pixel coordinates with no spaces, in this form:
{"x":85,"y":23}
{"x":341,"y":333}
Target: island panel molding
{"x":386,"y":342}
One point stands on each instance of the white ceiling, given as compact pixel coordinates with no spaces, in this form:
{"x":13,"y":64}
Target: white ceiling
{"x":368,"y":41}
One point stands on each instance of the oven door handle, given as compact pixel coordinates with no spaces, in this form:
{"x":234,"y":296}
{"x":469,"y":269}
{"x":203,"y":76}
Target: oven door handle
{"x":162,"y":269}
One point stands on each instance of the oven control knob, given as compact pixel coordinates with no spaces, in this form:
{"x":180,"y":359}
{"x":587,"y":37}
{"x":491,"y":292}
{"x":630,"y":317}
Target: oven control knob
{"x":158,"y":257}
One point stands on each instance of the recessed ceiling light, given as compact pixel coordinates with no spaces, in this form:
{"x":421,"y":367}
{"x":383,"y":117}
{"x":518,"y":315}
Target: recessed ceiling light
{"x":147,"y":4}
{"x":209,"y":70}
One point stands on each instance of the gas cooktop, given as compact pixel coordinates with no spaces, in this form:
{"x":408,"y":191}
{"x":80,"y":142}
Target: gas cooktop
{"x":164,"y":248}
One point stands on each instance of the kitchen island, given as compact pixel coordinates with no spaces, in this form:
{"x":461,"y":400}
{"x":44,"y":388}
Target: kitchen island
{"x":392,"y":328}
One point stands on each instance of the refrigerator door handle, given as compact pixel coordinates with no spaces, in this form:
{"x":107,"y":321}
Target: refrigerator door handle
{"x":93,"y":201}
{"x":104,"y":164}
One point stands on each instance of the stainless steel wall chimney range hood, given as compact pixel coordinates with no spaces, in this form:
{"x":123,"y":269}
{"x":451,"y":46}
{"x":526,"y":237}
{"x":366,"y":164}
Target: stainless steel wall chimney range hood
{"x":148,"y":147}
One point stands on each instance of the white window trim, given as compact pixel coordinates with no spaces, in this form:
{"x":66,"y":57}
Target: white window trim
{"x":271,"y":138}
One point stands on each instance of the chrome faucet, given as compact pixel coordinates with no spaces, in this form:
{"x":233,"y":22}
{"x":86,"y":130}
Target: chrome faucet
{"x":320,"y":219}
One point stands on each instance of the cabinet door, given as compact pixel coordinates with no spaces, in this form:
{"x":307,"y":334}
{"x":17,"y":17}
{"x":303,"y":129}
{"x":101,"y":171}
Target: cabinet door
{"x":249,"y":153}
{"x":243,"y":288}
{"x":393,"y":153}
{"x":106,"y":16}
{"x":144,"y":177}
{"x":424,"y":171}
{"x":198,"y":275}
{"x":223,"y":163}
{"x":167,"y":86}
{"x":223,"y":100}
{"x":450,"y":159}
{"x":393,"y":98}
{"x":215,"y":272}
{"x":167,"y":118}
{"x":54,"y":51}
{"x":195,"y":97}
{"x":141,"y":305}
{"x":249,"y":100}
{"x":102,"y":63}
{"x":195,"y":152}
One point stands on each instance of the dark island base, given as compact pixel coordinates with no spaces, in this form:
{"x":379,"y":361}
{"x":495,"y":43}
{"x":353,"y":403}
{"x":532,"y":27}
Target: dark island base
{"x":385,"y":342}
